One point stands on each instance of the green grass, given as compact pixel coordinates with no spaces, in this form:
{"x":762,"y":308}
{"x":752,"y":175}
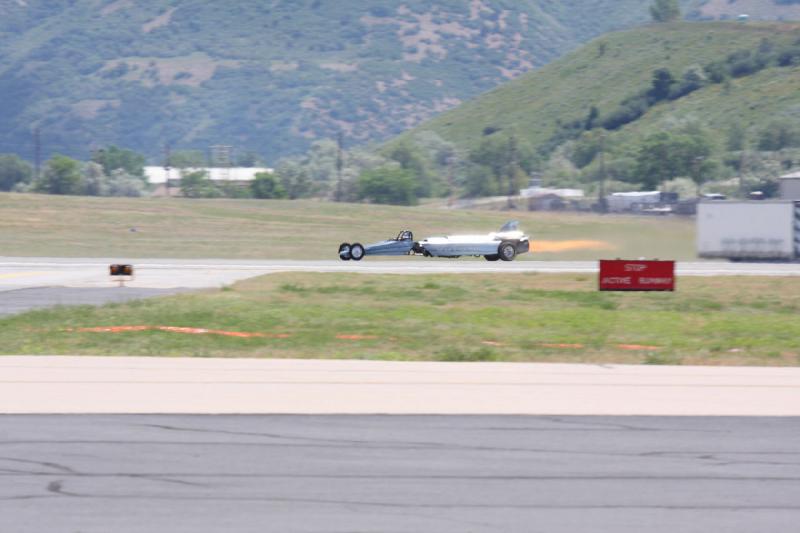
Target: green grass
{"x":46,"y":226}
{"x":519,"y":317}
{"x":618,"y":65}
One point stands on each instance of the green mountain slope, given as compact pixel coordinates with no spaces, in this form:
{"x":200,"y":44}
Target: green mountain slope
{"x":537,"y":106}
{"x":754,"y":9}
{"x":268,"y":76}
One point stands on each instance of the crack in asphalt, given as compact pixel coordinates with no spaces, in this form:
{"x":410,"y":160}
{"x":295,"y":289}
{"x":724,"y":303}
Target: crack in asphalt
{"x":170,"y":477}
{"x":425,"y":446}
{"x":55,"y":488}
{"x":55,"y":466}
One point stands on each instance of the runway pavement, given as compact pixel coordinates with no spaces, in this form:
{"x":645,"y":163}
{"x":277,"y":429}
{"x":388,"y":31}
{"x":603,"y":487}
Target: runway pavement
{"x":21,"y":300}
{"x":23,"y":272}
{"x":440,"y":447}
{"x":196,"y":474}
{"x":47,"y":385}
{"x":50,"y":277}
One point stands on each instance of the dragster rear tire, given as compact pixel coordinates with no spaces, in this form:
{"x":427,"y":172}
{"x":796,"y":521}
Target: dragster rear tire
{"x":507,"y":251}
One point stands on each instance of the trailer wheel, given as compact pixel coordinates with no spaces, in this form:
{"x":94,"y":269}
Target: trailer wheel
{"x":491,"y":257}
{"x":507,"y":251}
{"x":356,"y":252}
{"x":344,"y":251}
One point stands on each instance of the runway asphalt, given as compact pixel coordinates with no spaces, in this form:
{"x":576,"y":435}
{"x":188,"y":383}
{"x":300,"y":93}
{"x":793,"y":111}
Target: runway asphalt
{"x":540,"y":470}
{"x":21,"y":300}
{"x":132,"y":474}
{"x":52,"y":276}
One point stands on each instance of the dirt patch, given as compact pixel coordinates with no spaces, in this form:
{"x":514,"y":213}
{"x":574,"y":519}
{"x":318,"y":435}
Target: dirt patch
{"x":113,"y":7}
{"x":339,"y":67}
{"x":283,"y":66}
{"x":422,"y":36}
{"x":193,"y":69}
{"x":176,"y":329}
{"x":159,"y":21}
{"x":88,"y":109}
{"x":476,"y":7}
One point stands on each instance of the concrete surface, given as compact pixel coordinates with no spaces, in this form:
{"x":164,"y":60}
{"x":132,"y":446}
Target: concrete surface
{"x":21,"y":300}
{"x":52,"y":278}
{"x":441,"y":474}
{"x":38,"y":384}
{"x":23,"y":272}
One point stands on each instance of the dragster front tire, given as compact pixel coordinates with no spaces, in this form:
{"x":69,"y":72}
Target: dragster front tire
{"x":492,"y":257}
{"x":356,"y":252}
{"x":344,"y":251}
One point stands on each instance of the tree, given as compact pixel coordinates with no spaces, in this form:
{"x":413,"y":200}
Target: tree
{"x":295,"y":180}
{"x":665,"y":10}
{"x":120,"y":183}
{"x":665,"y":156}
{"x":586,"y":147}
{"x":198,"y":185}
{"x":62,"y":175}
{"x":187,"y":159}
{"x":702,"y":170}
{"x":249,"y":159}
{"x":591,"y":118}
{"x":736,"y":137}
{"x":414,"y":162}
{"x":265,"y":185}
{"x":492,"y":160}
{"x":95,"y":181}
{"x":498,"y":166}
{"x":779,"y":134}
{"x":113,"y":158}
{"x":387,"y":185}
{"x":13,"y":171}
{"x":661,"y":85}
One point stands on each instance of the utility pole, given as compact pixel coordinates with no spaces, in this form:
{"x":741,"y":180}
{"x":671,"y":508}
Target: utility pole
{"x":37,"y":152}
{"x":222,"y":158}
{"x":512,"y":169}
{"x":601,"y":191}
{"x":451,"y":159}
{"x":339,"y":166}
{"x":167,"y":156}
{"x":742,"y":167}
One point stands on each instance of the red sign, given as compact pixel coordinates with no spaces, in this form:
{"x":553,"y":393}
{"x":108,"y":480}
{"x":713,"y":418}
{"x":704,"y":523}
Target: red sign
{"x":622,"y":275}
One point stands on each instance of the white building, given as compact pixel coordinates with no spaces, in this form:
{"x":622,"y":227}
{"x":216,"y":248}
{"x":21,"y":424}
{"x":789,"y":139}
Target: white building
{"x":160,"y":177}
{"x":619,"y":202}
{"x":790,"y":186}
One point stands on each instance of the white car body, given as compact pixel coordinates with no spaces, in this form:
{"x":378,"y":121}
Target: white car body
{"x":486,"y":245}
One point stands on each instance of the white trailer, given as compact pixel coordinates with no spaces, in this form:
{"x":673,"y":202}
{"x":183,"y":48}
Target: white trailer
{"x":620,"y":202}
{"x":755,"y":230}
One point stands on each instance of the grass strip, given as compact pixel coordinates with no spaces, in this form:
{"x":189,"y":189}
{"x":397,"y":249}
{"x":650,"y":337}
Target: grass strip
{"x":478,"y":317}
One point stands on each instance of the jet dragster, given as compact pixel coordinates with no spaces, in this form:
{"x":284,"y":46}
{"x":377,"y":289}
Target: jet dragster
{"x":504,"y":244}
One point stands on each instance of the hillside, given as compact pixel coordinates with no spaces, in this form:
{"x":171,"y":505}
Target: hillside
{"x":755,"y":9}
{"x":538,"y":106}
{"x":268,"y":76}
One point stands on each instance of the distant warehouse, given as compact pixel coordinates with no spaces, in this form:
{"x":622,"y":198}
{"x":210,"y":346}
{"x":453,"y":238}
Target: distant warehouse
{"x":161,"y":178}
{"x":790,"y":186}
